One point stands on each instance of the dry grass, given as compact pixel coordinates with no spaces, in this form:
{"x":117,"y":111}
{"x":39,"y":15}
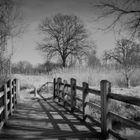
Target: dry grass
{"x":32,"y":81}
{"x":89,"y":75}
{"x":93,"y":77}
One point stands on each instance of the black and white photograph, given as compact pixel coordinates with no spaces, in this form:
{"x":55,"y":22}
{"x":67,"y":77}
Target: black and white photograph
{"x":69,"y":69}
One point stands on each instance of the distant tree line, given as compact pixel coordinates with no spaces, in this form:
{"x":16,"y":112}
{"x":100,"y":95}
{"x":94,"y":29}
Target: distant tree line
{"x":24,"y":67}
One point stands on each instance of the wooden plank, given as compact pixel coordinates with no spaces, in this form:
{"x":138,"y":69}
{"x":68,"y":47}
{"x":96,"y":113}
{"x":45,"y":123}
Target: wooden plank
{"x":58,"y":85}
{"x":106,"y":124}
{"x":2,"y":88}
{"x":8,"y":101}
{"x":13,"y":91}
{"x":1,"y":94}
{"x":84,"y":96}
{"x":67,"y":85}
{"x":1,"y":109}
{"x":73,"y":93}
{"x":67,"y":126}
{"x":78,"y":109}
{"x":96,"y":92}
{"x":45,"y":85}
{"x":17,"y":89}
{"x":11,"y":98}
{"x":8,"y":83}
{"x":61,"y":84}
{"x":79,"y":88}
{"x":93,"y":120}
{"x":8,"y":112}
{"x":125,"y":98}
{"x":124,"y":120}
{"x":93,"y":105}
{"x":8,"y":90}
{"x":79,"y":99}
{"x":66,"y":102}
{"x":60,"y":98}
{"x":5,"y":102}
{"x":1,"y":124}
{"x":54,"y":85}
{"x":68,"y":94}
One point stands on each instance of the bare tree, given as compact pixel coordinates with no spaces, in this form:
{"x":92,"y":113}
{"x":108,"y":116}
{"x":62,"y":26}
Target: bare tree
{"x":127,"y":54}
{"x":65,"y":36}
{"x":122,"y":12}
{"x":93,"y":60}
{"x":9,"y":14}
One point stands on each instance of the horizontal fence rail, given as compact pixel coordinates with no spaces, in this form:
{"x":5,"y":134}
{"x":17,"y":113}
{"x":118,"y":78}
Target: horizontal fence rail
{"x":44,"y":85}
{"x":8,"y":100}
{"x":67,"y":94}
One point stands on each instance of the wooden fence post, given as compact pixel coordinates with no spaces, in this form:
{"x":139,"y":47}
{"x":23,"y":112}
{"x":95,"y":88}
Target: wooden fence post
{"x":54,"y":88}
{"x":5,"y":102}
{"x":73,"y":93}
{"x":11,"y":98}
{"x":85,"y":93}
{"x":105,"y":122}
{"x":14,"y":92}
{"x":59,"y":81}
{"x":64,"y":92}
{"x":17,"y":89}
{"x":35,"y":92}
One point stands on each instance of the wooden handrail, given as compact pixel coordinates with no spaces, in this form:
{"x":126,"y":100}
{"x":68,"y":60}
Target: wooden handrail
{"x":44,"y":85}
{"x":125,"y":98}
{"x":8,"y":99}
{"x":105,"y":97}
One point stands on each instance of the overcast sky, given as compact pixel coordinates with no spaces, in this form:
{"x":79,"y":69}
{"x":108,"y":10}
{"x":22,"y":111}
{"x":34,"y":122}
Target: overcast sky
{"x":34,"y":11}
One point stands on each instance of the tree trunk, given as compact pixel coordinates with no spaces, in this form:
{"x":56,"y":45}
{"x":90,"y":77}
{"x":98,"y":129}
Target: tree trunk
{"x":64,"y":62}
{"x":127,"y":81}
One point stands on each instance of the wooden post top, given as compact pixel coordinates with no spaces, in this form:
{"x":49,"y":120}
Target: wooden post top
{"x":73,"y":81}
{"x":59,"y":80}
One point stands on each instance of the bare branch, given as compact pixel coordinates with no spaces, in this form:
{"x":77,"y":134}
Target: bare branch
{"x":66,"y":33}
{"x":120,"y":11}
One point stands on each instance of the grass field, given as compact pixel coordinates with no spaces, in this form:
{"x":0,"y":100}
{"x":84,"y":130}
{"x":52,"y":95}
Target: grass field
{"x":89,"y":75}
{"x":93,"y":77}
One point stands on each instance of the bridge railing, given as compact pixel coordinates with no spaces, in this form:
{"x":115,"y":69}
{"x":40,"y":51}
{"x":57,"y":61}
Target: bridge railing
{"x":8,"y":100}
{"x":66,"y":93}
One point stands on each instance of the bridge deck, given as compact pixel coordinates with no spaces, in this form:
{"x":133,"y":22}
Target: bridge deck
{"x":44,"y":119}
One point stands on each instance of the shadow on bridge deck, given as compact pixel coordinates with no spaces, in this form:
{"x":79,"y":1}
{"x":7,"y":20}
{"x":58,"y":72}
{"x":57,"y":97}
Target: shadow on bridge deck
{"x":44,"y":119}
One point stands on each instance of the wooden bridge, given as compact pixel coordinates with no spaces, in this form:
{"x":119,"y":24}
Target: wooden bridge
{"x":61,"y":116}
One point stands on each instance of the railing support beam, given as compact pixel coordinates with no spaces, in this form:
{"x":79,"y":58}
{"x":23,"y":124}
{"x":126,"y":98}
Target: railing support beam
{"x":11,"y":98}
{"x":5,"y":102}
{"x":85,"y":93}
{"x":73,"y":94}
{"x":105,"y":121}
{"x":54,"y":88}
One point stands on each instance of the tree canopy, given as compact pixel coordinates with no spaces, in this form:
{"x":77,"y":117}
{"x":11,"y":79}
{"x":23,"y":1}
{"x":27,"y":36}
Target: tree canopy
{"x":65,"y":36}
{"x":125,"y":13}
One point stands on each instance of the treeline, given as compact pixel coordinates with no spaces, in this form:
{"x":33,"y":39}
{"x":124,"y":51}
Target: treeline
{"x":24,"y":67}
